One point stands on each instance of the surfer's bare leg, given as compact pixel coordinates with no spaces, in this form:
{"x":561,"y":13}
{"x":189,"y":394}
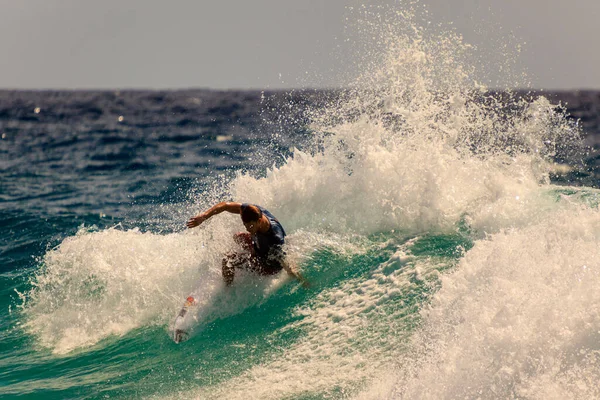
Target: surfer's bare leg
{"x":228,"y":269}
{"x":237,"y":260}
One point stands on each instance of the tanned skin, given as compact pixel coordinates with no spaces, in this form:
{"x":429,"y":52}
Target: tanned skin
{"x":262,"y":225}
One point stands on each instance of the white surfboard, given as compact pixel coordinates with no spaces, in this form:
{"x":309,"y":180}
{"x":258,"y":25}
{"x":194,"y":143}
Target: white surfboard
{"x":184,"y":320}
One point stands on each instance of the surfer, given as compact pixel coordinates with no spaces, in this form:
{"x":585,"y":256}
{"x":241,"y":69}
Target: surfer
{"x":262,"y":244}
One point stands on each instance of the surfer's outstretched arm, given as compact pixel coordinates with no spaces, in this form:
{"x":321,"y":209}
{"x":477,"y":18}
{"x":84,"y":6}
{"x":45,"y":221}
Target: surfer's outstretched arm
{"x":229,"y":206}
{"x":293,"y":271}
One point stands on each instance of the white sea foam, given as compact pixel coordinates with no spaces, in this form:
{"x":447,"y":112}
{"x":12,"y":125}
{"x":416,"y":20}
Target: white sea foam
{"x":517,"y":319}
{"x":102,"y":283}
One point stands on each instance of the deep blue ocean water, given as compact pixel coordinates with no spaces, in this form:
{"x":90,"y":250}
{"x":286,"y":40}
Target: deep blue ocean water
{"x":450,"y":235}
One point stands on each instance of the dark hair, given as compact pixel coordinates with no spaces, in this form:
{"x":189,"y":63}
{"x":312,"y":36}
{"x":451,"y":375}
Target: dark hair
{"x":251,"y":213}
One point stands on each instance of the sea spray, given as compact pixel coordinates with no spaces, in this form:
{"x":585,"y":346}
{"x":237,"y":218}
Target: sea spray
{"x":101,"y":283}
{"x":415,"y":144}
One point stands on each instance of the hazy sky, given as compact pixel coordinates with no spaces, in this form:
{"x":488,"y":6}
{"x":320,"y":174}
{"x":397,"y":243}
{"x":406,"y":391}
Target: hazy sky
{"x":264,"y":43}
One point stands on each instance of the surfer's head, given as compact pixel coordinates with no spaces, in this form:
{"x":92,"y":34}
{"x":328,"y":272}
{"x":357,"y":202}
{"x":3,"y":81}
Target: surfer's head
{"x":251,"y":215}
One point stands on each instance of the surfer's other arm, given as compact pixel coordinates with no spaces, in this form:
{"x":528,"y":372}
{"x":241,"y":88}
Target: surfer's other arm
{"x":232,"y":207}
{"x":293,"y":271}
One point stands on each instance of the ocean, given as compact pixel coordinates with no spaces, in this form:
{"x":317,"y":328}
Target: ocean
{"x":450,"y":234}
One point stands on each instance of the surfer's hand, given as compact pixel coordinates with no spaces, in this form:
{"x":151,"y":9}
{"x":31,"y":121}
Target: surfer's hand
{"x":197,"y":220}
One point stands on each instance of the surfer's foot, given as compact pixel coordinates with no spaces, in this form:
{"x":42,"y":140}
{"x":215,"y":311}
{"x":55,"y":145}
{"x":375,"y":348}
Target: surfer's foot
{"x":180,"y":335}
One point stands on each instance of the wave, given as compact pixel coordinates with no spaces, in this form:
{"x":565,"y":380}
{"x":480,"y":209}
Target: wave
{"x":421,"y":208}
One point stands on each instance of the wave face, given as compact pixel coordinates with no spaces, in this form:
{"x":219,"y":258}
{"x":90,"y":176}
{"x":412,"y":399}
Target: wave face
{"x":450,"y":234}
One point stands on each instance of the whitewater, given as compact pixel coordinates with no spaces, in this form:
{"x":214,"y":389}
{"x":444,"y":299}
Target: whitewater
{"x":444,"y":261}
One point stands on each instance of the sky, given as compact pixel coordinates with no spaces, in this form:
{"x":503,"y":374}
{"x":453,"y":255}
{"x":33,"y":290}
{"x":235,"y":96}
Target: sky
{"x":266,"y":44}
